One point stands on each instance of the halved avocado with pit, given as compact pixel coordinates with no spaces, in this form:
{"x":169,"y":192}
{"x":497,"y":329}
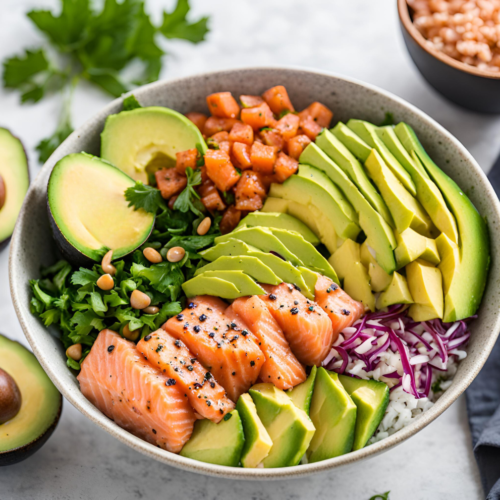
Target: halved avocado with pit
{"x":89,"y":213}
{"x":30,"y":405}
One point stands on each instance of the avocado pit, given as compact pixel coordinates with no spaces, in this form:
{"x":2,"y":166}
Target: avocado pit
{"x":10,"y":397}
{"x":3,"y":192}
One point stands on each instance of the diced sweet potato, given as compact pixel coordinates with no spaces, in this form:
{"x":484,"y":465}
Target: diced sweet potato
{"x":225,"y":146}
{"x":230,"y":219}
{"x":319,"y":113}
{"x":186,"y":159}
{"x":220,"y":169}
{"x":241,"y":132}
{"x":198,"y":119}
{"x":309,"y":127}
{"x":288,"y":126}
{"x":258,"y":116}
{"x":241,"y":155}
{"x":284,"y":167}
{"x":214,"y":125}
{"x":249,"y":191}
{"x":272,"y":138}
{"x":249,"y":101}
{"x":213,"y":201}
{"x":170,"y":182}
{"x":278,"y":100}
{"x":223,"y":105}
{"x":296,"y":145}
{"x":263,"y":158}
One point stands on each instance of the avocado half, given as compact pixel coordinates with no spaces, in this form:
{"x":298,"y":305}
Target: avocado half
{"x":40,"y":409}
{"x":88,"y":211}
{"x":14,"y":182}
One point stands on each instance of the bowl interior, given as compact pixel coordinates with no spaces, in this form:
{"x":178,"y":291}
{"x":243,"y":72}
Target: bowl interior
{"x":33,"y":246}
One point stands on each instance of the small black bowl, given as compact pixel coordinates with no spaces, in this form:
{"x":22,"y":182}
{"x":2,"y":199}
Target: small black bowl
{"x":461,"y":83}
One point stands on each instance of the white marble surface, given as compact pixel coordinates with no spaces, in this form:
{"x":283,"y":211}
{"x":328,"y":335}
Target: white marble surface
{"x":358,"y":38}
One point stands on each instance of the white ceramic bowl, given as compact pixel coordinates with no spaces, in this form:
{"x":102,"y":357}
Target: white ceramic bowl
{"x":32,"y":243}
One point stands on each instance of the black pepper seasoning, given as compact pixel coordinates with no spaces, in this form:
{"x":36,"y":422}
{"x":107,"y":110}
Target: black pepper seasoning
{"x":272,"y":296}
{"x":110,"y":348}
{"x":180,"y":317}
{"x":147,"y":337}
{"x":197,"y":329}
{"x":202,"y":318}
{"x":294,"y":310}
{"x":170,"y":381}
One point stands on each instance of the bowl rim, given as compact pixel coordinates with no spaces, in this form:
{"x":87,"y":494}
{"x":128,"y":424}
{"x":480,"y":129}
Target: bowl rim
{"x":404,"y":16}
{"x":75,"y":397}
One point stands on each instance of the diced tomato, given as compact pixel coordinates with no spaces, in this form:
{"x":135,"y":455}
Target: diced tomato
{"x":198,"y":119}
{"x":258,"y":116}
{"x":319,"y":113}
{"x":223,"y":105}
{"x":272,"y":138}
{"x":220,"y":169}
{"x":241,"y":132}
{"x":278,"y":100}
{"x":249,"y":101}
{"x":171,"y":202}
{"x":249,"y":191}
{"x":296,"y":145}
{"x":225,"y":146}
{"x":230,"y":219}
{"x":241,"y":155}
{"x":263,"y":158}
{"x":309,"y":127}
{"x":213,"y":201}
{"x":186,"y":159}
{"x":170,"y":182}
{"x":288,"y":126}
{"x":214,"y":125}
{"x":284,"y":167}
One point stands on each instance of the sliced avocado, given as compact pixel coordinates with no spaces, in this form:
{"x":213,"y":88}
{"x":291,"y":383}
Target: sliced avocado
{"x":379,"y":234}
{"x":88,"y":211}
{"x":205,"y":285}
{"x":301,"y":395}
{"x":393,"y":144}
{"x":305,"y":252}
{"x":450,"y":261}
{"x":263,"y":239}
{"x":31,"y":425}
{"x":258,"y":443}
{"x":334,"y":415}
{"x":412,"y":246}
{"x":367,"y":131}
{"x":426,"y":287}
{"x":353,"y":142}
{"x":310,"y":278}
{"x":371,"y":399}
{"x":396,"y":293}
{"x":14,"y":182}
{"x":277,"y":220}
{"x":289,"y":427}
{"x":249,"y":265}
{"x":219,"y":444}
{"x":405,"y":209}
{"x":243,"y":282}
{"x":146,"y":139}
{"x":284,"y":270}
{"x":379,"y":279}
{"x":347,"y":253}
{"x":353,"y":168}
{"x":469,"y":279}
{"x":275,"y":205}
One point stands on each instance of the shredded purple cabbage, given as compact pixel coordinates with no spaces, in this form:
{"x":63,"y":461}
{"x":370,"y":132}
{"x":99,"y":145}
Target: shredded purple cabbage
{"x":430,"y":347}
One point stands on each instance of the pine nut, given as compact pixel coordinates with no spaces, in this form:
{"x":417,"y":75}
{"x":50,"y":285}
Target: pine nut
{"x":74,"y":352}
{"x":151,"y":310}
{"x":139,"y":300}
{"x":176,"y":254}
{"x":105,"y":282}
{"x":204,"y":226}
{"x":106,"y":265}
{"x":132,"y":335}
{"x":152,"y":255}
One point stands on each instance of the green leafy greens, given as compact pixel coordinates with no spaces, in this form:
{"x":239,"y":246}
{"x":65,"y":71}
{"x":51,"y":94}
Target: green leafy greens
{"x":103,"y":47}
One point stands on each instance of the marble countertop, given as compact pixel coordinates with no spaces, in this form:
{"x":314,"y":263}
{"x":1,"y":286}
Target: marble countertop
{"x":357,"y":38}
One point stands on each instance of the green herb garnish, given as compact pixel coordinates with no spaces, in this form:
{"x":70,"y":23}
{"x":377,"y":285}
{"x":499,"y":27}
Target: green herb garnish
{"x":146,"y":197}
{"x":189,"y":199}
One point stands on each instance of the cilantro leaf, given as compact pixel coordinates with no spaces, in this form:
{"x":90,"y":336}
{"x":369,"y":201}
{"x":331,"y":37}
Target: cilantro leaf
{"x":176,"y":25}
{"x":146,"y":197}
{"x":130,"y":103}
{"x":189,"y":199}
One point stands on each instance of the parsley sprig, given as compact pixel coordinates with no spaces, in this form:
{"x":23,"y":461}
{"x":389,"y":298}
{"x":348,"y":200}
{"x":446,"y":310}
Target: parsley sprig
{"x":114,"y":48}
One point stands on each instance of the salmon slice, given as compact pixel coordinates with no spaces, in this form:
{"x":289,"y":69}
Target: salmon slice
{"x":117,"y":380}
{"x":342,"y":310}
{"x":306,"y":327}
{"x":281,"y":368}
{"x":229,"y":352}
{"x":176,"y":361}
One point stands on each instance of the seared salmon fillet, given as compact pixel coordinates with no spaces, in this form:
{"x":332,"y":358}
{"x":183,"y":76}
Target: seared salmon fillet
{"x":307,"y":328}
{"x":177,"y":362}
{"x":117,"y":380}
{"x":342,"y":310}
{"x":229,"y":352}
{"x":281,"y":368}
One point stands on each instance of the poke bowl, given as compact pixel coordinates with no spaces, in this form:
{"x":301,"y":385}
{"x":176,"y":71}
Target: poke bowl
{"x":386,"y":357}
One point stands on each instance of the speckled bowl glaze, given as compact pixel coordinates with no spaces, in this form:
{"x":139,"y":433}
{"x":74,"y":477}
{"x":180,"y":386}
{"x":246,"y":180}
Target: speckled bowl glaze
{"x":32,"y":244}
